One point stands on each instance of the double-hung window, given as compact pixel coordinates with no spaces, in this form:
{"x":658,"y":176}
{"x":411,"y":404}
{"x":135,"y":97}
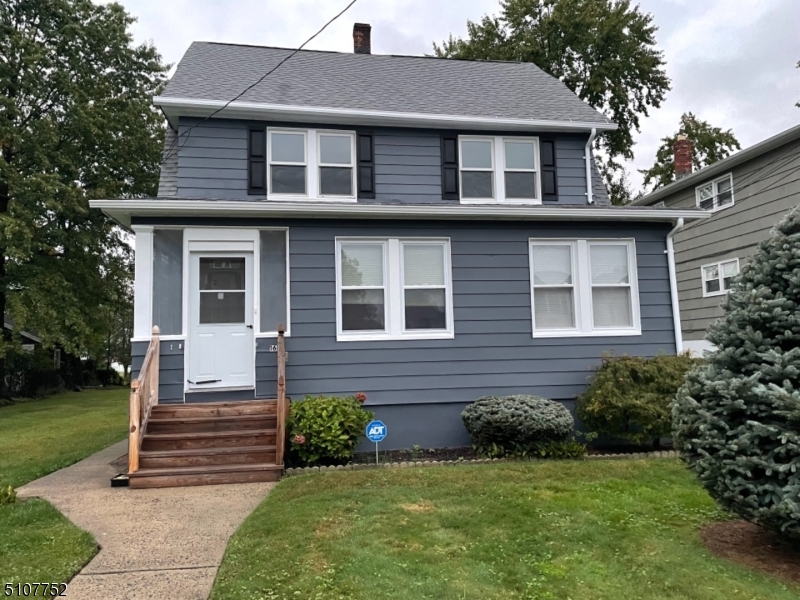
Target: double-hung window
{"x":716,"y":194}
{"x":311,"y":164}
{"x":501,"y":169}
{"x":584,"y":287}
{"x":718,"y":277}
{"x":395,"y":288}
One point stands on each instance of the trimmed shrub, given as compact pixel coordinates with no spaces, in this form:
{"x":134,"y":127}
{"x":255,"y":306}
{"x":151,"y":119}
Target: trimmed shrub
{"x":8,"y":495}
{"x":737,"y":419}
{"x":31,"y":374}
{"x":516,"y":425}
{"x":630,"y":397}
{"x":326,"y":430}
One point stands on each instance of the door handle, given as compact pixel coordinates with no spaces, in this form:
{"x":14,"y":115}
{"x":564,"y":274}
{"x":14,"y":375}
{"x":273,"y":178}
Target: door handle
{"x":249,"y":326}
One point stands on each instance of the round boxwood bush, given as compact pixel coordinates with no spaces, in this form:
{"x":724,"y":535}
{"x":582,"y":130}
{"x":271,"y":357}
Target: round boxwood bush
{"x":736,"y":420}
{"x":516,"y":425}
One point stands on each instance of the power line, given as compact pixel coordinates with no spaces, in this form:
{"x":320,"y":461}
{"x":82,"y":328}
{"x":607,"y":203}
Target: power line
{"x":168,"y":154}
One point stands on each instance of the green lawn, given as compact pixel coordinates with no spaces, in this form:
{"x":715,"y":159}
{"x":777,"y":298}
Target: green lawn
{"x":612,"y":530}
{"x":37,"y":543}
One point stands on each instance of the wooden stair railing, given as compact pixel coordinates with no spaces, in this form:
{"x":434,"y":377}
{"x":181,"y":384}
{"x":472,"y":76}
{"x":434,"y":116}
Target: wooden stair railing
{"x":144,"y":396}
{"x":282,"y":407}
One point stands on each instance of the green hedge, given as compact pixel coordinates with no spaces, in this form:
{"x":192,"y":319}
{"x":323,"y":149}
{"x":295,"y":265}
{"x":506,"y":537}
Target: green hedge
{"x":630,"y":397}
{"x":326,"y":430}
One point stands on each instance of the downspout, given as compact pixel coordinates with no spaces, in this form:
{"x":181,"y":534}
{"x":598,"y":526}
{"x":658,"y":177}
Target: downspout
{"x":673,"y":286}
{"x":588,"y":156}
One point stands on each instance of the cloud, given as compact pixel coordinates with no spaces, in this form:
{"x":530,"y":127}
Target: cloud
{"x":732,"y":62}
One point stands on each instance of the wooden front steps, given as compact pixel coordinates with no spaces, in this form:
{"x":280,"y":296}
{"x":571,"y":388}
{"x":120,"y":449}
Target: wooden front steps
{"x":209,"y":443}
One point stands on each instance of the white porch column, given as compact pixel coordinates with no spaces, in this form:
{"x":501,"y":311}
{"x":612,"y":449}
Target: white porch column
{"x":143,"y":282}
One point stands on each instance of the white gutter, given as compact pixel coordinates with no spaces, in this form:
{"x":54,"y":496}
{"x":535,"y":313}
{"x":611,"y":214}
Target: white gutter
{"x":673,"y":286}
{"x":188,"y":107}
{"x":588,"y":157}
{"x":123,"y":210}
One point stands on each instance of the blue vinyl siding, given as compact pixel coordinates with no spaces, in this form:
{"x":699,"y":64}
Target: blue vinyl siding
{"x":493,"y":351}
{"x":170,"y":376}
{"x":212,"y":163}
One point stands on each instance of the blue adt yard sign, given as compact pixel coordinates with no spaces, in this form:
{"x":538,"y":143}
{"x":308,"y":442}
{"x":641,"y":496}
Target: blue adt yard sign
{"x":376,"y":432}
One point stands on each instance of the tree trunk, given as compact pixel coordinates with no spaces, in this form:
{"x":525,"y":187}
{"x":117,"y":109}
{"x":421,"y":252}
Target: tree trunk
{"x":3,"y":209}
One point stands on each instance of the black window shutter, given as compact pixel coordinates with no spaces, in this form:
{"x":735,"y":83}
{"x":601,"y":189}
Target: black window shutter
{"x":365,"y":155}
{"x":257,"y":161}
{"x":547,"y":151}
{"x":450,"y":167}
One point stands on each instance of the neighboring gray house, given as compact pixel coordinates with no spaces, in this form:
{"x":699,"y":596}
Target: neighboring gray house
{"x":746,"y":194}
{"x":429,"y":230}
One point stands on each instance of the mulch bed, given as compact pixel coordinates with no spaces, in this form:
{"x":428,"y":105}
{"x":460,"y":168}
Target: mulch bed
{"x":393,"y":456}
{"x":752,"y":546}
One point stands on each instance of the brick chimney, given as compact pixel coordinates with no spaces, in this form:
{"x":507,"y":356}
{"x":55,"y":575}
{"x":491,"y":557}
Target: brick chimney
{"x":361,"y":38}
{"x":682,"y":157}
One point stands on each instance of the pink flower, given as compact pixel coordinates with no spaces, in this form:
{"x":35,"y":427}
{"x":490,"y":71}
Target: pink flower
{"x":361,"y":397}
{"x":299,"y":439}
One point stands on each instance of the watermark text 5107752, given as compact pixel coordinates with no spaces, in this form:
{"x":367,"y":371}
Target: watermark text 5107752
{"x":32,"y":590}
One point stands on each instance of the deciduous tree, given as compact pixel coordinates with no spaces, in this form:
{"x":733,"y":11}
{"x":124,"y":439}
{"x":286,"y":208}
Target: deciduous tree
{"x":75,"y":123}
{"x":603,"y":50}
{"x":709,"y":144}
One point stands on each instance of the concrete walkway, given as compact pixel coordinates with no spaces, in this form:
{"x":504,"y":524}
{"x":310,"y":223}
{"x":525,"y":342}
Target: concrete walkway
{"x":154,"y":543}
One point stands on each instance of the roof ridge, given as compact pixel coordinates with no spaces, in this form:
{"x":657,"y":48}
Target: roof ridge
{"x":339,"y":52}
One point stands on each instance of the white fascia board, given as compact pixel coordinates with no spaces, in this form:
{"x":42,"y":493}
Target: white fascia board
{"x":123,"y":210}
{"x":189,"y":107}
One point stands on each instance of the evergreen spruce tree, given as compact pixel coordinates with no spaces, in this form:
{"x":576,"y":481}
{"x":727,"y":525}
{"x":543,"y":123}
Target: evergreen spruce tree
{"x":736,"y":419}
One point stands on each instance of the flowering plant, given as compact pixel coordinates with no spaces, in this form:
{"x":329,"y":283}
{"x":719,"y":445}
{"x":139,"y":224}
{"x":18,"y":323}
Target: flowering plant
{"x":326,"y":430}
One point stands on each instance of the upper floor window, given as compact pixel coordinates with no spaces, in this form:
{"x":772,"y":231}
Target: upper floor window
{"x":497,"y":168}
{"x":584,"y":287}
{"x":716,"y":194}
{"x":311,"y":164}
{"x":718,"y":277}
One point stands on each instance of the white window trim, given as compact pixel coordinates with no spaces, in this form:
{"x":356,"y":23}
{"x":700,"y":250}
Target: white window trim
{"x":312,"y":164}
{"x":351,"y":166}
{"x":721,"y":278}
{"x":582,"y":297}
{"x":393,"y":301}
{"x":553,"y":332}
{"x":714,"y":183}
{"x":498,"y":170}
{"x":492,"y":169}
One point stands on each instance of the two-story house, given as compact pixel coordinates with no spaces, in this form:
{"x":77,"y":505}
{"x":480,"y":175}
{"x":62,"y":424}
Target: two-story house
{"x":745,"y":195}
{"x":429,"y":231}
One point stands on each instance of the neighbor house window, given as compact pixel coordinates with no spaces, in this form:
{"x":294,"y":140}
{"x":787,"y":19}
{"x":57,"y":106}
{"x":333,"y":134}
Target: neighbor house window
{"x":715,"y":194}
{"x":311,"y":164}
{"x":395,"y":288}
{"x":718,"y":277}
{"x":497,"y":168}
{"x":584,"y":287}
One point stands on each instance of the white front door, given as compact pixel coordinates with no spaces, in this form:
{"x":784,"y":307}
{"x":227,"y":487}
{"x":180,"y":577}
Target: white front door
{"x":221,"y":345}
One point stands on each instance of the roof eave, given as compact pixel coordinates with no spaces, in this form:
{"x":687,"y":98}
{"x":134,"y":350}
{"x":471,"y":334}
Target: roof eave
{"x":124,"y":210}
{"x":721,"y":166}
{"x":174,"y":108}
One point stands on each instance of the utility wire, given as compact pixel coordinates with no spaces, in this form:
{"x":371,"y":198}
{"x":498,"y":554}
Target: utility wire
{"x":169,"y":153}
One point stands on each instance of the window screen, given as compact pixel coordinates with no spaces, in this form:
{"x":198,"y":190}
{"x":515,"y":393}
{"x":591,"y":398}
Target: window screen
{"x":272,"y":277}
{"x":168,"y":281}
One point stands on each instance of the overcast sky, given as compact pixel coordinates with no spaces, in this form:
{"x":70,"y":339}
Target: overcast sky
{"x":732,"y":62}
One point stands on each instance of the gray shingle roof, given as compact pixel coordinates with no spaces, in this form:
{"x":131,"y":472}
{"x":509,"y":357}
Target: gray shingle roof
{"x":409,"y":84}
